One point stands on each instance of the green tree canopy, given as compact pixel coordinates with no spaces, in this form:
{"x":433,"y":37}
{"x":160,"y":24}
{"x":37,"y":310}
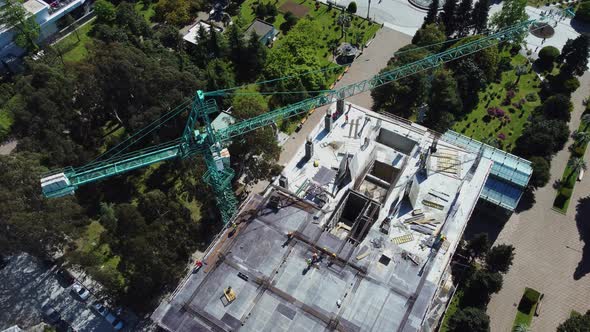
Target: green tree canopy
{"x":575,"y":54}
{"x":444,"y":102}
{"x":469,"y":319}
{"x":478,"y":246}
{"x":576,"y":323}
{"x":542,"y":137}
{"x":448,"y":16}
{"x":541,"y":171}
{"x":479,"y":17}
{"x":487,"y":59}
{"x":29,"y":222}
{"x":105,"y":11}
{"x":557,"y":107}
{"x":428,"y":35}
{"x":13,"y":14}
{"x":583,"y":12}
{"x":351,"y":7}
{"x":480,"y":286}
{"x":402,"y":97}
{"x":547,"y":56}
{"x":512,"y":12}
{"x":500,"y":257}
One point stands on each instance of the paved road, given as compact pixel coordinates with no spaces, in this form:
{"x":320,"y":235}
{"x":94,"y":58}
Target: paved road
{"x":27,"y":285}
{"x":549,"y":249}
{"x":373,"y":59}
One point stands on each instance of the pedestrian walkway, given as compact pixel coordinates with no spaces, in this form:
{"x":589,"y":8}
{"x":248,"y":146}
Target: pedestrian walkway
{"x":548,"y":248}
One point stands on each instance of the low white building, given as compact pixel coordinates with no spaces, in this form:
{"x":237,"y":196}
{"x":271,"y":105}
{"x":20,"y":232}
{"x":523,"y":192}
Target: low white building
{"x":46,"y":13}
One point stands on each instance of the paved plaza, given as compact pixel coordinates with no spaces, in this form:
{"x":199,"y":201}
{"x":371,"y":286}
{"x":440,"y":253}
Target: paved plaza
{"x":551,"y":256}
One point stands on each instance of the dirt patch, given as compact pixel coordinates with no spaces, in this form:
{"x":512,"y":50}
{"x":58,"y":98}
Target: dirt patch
{"x":295,"y":8}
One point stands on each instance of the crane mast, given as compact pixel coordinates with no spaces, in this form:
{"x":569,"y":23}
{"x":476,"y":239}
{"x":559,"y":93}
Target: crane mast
{"x":210,"y":142}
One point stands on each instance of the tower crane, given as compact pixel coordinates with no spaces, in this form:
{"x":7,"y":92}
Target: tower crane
{"x":210,"y":143}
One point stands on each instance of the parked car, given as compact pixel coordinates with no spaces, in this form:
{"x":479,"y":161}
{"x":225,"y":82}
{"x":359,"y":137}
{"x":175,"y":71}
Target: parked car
{"x":115,"y":321}
{"x":101,"y":309}
{"x":63,"y":326}
{"x":81,"y":291}
{"x":118,"y":324}
{"x":51,"y":316}
{"x":65,"y":277}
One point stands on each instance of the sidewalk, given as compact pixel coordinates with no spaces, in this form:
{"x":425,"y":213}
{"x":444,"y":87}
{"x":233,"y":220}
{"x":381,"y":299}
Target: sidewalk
{"x":548,"y":248}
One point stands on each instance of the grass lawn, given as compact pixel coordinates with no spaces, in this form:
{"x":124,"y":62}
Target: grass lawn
{"x":526,"y":309}
{"x":147,"y":10}
{"x":90,"y":243}
{"x":453,"y":306}
{"x":480,"y":126}
{"x":569,"y":178}
{"x":6,"y":121}
{"x":324,"y":16}
{"x":72,"y":49}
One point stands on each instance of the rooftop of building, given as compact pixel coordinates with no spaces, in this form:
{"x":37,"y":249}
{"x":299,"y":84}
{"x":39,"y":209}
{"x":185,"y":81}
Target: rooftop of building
{"x":192,"y":35}
{"x":358,"y":237}
{"x":261,"y":28}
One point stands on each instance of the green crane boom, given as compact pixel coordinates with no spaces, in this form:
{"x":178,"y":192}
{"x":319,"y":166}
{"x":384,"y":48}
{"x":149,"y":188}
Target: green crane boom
{"x":210,"y":143}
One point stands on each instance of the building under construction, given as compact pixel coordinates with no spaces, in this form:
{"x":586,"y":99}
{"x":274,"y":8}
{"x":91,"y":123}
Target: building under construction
{"x":355,"y":235}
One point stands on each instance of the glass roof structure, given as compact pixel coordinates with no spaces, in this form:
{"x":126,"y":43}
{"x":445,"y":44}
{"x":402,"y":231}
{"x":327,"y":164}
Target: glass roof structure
{"x":509,"y":175}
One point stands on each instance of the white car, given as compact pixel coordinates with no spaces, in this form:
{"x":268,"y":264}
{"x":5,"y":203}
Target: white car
{"x":82,"y":292}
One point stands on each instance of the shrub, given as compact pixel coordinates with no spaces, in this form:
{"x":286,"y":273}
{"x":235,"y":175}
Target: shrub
{"x":541,"y":171}
{"x":528,"y":300}
{"x":351,"y":7}
{"x":547,"y":57}
{"x":501,"y":136}
{"x":583,"y":12}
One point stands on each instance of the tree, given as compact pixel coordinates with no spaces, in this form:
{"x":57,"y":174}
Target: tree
{"x":499,"y":258}
{"x":480,"y":286}
{"x":557,"y":107}
{"x":344,"y":22}
{"x":583,"y":12}
{"x":253,"y":59}
{"x":522,"y":327}
{"x":575,"y":54}
{"x":541,"y":171}
{"x":28,"y":221}
{"x":351,"y":7}
{"x":444,"y":101}
{"x":27,"y":30}
{"x":432,"y":13}
{"x":487,"y":59}
{"x":448,"y":18}
{"x":220,"y":75}
{"x":479,"y":17}
{"x":478,"y":245}
{"x":585,"y":120}
{"x":470,"y":80}
{"x":581,"y":137}
{"x":576,"y":165}
{"x":256,"y":154}
{"x":176,"y":12}
{"x":428,"y":35}
{"x":402,"y":97}
{"x":463,"y":17}
{"x":547,"y":56}
{"x":290,"y":21}
{"x":105,"y":11}
{"x":542,"y":137}
{"x":469,"y":319}
{"x":512,"y":12}
{"x":576,"y":323}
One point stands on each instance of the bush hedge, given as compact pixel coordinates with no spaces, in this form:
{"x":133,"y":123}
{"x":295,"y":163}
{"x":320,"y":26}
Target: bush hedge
{"x":528,"y":300}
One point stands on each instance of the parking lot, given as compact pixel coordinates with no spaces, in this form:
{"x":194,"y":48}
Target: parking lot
{"x":28,"y":286}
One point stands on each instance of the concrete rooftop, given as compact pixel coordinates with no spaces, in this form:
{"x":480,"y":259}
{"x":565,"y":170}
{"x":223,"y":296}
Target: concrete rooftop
{"x":364,"y":171}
